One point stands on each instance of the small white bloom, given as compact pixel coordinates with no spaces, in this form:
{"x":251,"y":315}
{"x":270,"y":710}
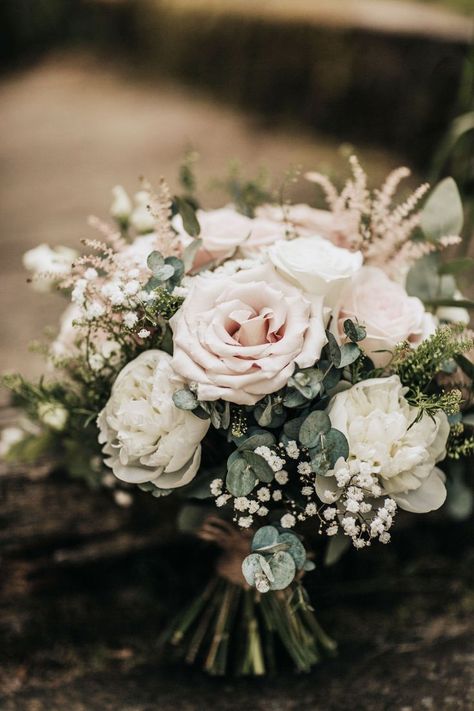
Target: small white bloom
{"x":245,"y":521}
{"x":222,"y":500}
{"x":281,"y":477}
{"x":263,"y":493}
{"x":96,"y":362}
{"x":352,"y":505}
{"x":292,"y":449}
{"x":384,"y":537}
{"x":311,"y":509}
{"x":121,"y":206}
{"x":48,"y":266}
{"x":132,"y":287}
{"x":53,"y":415}
{"x":277,"y":495}
{"x":262,"y":511}
{"x":94,"y":310}
{"x":253,"y":507}
{"x":216,"y":486}
{"x":241,"y":503}
{"x":304,"y":468}
{"x":130,"y":319}
{"x":307,"y":490}
{"x":141,"y":218}
{"x":143,"y":333}
{"x":90,"y":274}
{"x":330,"y":513}
{"x":332,"y":530}
{"x":287,"y":521}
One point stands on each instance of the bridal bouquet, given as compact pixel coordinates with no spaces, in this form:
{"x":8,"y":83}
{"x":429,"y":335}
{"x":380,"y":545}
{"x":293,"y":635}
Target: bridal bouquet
{"x":297,"y":376}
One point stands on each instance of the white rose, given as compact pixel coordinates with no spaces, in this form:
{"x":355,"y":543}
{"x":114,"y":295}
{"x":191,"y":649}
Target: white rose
{"x":315,"y":265}
{"x":48,"y":265}
{"x":378,"y":423}
{"x":121,"y":206}
{"x":146,"y":437}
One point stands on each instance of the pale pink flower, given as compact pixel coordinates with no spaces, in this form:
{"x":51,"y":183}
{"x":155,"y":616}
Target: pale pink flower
{"x":384,"y":308}
{"x":340,"y":229}
{"x":240,"y":338}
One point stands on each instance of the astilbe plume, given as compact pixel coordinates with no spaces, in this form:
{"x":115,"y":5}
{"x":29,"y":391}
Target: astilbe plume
{"x":382,"y":230}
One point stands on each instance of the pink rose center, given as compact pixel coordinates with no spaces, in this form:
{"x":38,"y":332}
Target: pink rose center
{"x":251,"y":328}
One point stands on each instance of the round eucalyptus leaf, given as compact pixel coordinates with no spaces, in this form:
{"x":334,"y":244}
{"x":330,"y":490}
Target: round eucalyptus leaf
{"x":259,"y":466}
{"x":354,"y":331}
{"x":333,"y":444}
{"x":294,"y":397}
{"x":292,"y":427}
{"x":295,"y":548}
{"x":333,"y":349}
{"x":265,"y":537}
{"x":185,"y":399}
{"x":283,"y":568}
{"x":349,"y":353}
{"x":259,"y":438}
{"x":154,"y":261}
{"x":314,"y":425}
{"x":164,"y":272}
{"x":251,"y":566}
{"x":240,"y":479}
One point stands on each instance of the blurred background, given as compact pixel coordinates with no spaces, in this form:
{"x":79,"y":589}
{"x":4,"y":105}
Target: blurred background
{"x":99,"y":92}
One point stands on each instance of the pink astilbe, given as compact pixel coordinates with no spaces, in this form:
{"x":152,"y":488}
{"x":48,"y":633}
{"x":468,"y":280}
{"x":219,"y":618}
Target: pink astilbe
{"x":383,"y":231}
{"x":160,"y":207}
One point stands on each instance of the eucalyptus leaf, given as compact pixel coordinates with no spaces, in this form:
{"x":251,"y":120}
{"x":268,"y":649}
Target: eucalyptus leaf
{"x":333,"y":349}
{"x":456,"y":266}
{"x":163,"y":273}
{"x":188,"y":216}
{"x":190,"y":252}
{"x":154,"y":261}
{"x":349,"y":353}
{"x":185,"y":399}
{"x":334,"y":445}
{"x":295,"y":398}
{"x":260,"y":467}
{"x":252,"y":566}
{"x":264,"y":537}
{"x":292,"y":427}
{"x":354,"y":331}
{"x":314,"y":425}
{"x":295,"y":548}
{"x":336,"y":547}
{"x":283,"y":568}
{"x":240,"y":479}
{"x":442,"y":214}
{"x":259,"y":438}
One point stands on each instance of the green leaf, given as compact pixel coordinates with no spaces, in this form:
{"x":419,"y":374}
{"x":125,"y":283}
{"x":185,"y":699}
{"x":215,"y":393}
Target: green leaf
{"x":154,"y":261}
{"x":188,"y":215}
{"x":252,"y":566}
{"x":349,"y":353}
{"x":295,"y":548}
{"x":334,"y":445}
{"x":313,"y":426}
{"x":260,"y":467}
{"x":354,"y":331}
{"x":442,"y":214}
{"x":265,"y":536}
{"x":333,"y":349}
{"x":190,"y":253}
{"x":164,"y":273}
{"x":292,"y":427}
{"x":461,"y":303}
{"x":456,"y":266}
{"x":465,"y":365}
{"x":283,"y":568}
{"x":185,"y":399}
{"x":337,"y":546}
{"x":240,"y":479}
{"x":295,"y":398}
{"x":258,"y":438}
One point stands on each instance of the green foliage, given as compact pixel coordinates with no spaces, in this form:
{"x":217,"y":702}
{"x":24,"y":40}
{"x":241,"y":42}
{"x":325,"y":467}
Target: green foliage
{"x":275,"y":558}
{"x":246,"y":195}
{"x":187,"y":211}
{"x":442,"y":214}
{"x":167,"y":272}
{"x":418,"y":367}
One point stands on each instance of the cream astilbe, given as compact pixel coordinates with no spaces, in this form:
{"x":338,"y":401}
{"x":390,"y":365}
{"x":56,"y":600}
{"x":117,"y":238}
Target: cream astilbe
{"x":384,"y":230}
{"x":160,"y":207}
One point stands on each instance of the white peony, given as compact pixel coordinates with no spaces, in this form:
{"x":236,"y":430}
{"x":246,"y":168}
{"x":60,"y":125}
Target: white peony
{"x":315,"y":265}
{"x":48,"y":265}
{"x":377,"y":421}
{"x":145,"y":436}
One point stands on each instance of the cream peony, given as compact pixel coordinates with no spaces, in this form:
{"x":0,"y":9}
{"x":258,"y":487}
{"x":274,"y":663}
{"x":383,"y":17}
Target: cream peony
{"x":306,"y":221}
{"x":145,"y":436}
{"x":315,"y":265}
{"x":386,"y":311}
{"x":48,"y":265}
{"x":240,"y":337}
{"x":225,"y":232}
{"x":377,"y":421}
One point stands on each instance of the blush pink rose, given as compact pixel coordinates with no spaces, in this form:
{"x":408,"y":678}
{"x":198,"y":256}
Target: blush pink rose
{"x":225,"y":232}
{"x":384,"y":308}
{"x":240,"y":338}
{"x":306,"y":220}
